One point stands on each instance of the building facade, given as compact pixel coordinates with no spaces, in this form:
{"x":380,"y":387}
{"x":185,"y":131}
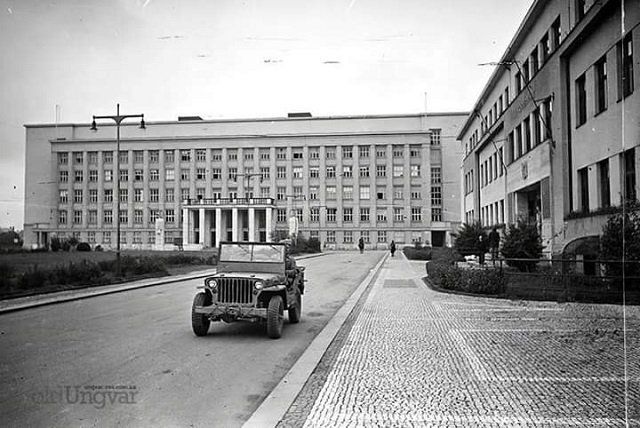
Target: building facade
{"x":554,"y":135}
{"x":195,"y":183}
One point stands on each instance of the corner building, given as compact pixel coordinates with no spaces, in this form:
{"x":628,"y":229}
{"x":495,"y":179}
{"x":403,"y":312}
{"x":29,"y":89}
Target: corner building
{"x":194,"y":183}
{"x":554,"y":135}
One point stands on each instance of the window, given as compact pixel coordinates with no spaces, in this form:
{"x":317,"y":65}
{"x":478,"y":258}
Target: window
{"x":63,"y":158}
{"x":297,"y":172}
{"x":77,"y":176}
{"x":138,"y":175}
{"x":416,"y":193}
{"x":436,"y":175}
{"x":313,"y":193}
{"x":347,"y":152}
{"x":201,"y":155}
{"x":170,"y":216}
{"x":77,"y":196}
{"x":381,"y":193}
{"x":583,"y":182}
{"x":281,"y":172}
{"x":545,"y":49}
{"x":314,"y":215}
{"x":365,"y":192}
{"x":107,"y":157}
{"x":169,"y":156}
{"x":184,"y":194}
{"x":398,"y":192}
{"x":154,"y":175}
{"x":535,"y":127}
{"x":331,"y":215}
{"x":137,"y":237}
{"x":62,"y":216}
{"x":526,"y":134}
{"x":217,"y":193}
{"x":106,"y":237}
{"x":331,"y":171}
{"x":347,"y":192}
{"x":381,"y":151}
{"x":500,"y":153}
{"x":398,"y":215}
{"x":600,"y":73}
{"x":201,"y":174}
{"x":124,"y":175}
{"x":364,"y":171}
{"x":108,"y":195}
{"x":331,"y":236}
{"x":525,"y":73}
{"x":348,"y":237}
{"x":314,"y":153}
{"x":265,"y":173}
{"x":137,"y":216}
{"x":281,"y":153}
{"x":281,"y":193}
{"x":93,"y":175}
{"x":77,"y":217}
{"x":299,"y":214}
{"x":518,"y":81}
{"x":154,"y":195}
{"x":138,"y":156}
{"x":138,"y":195}
{"x":415,"y":170}
{"x":91,"y":235}
{"x":154,"y":156}
{"x":330,"y":192}
{"x":216,"y":155}
{"x":629,"y":175}
{"x":169,"y":195}
{"x":436,"y":214}
{"x":184,"y":174}
{"x":398,"y":171}
{"x":535,"y":66}
{"x":93,"y":196}
{"x":364,"y":214}
{"x":625,"y":67}
{"x":123,"y":157}
{"x":381,"y":215}
{"x":185,"y":155}
{"x":314,"y":172}
{"x":581,"y":9}
{"x":436,"y":196}
{"x":581,"y":101}
{"x":63,"y":196}
{"x":603,"y":177}
{"x":216,"y":173}
{"x":416,"y":214}
{"x":233,"y":174}
{"x":382,"y":236}
{"x":347,"y":171}
{"x":169,"y":174}
{"x":365,"y":236}
{"x":124,"y":195}
{"x":398,"y":151}
{"x":331,"y":152}
{"x":78,"y":157}
{"x":363,"y":151}
{"x":297,"y":191}
{"x":556,"y":34}
{"x":347,"y":215}
{"x":381,"y":170}
{"x":297,"y":153}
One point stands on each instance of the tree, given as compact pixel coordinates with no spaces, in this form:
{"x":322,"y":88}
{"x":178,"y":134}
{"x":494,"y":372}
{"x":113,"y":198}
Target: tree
{"x":616,"y":244}
{"x":522,"y":241}
{"x":471,"y":239}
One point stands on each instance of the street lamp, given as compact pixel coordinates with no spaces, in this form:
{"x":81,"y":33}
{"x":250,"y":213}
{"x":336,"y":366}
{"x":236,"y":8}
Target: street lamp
{"x":118,"y":118}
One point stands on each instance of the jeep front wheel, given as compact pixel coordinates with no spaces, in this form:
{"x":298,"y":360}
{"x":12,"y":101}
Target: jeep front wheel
{"x":275,"y":317}
{"x":199,"y":322}
{"x":295,"y":311}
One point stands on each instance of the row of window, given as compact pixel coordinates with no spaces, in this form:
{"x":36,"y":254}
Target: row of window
{"x":532,"y":131}
{"x":200,"y":155}
{"x":232,"y":173}
{"x":624,"y":56}
{"x":77,"y":216}
{"x":492,"y":213}
{"x":491,"y":168}
{"x":93,"y":237}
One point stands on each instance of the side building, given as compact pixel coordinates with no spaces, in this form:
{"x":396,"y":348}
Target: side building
{"x":193,"y":183}
{"x":554,"y":135}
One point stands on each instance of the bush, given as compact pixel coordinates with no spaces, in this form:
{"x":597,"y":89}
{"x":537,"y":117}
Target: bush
{"x":55,"y":244}
{"x":83,"y":246}
{"x":73,"y":241}
{"x":98,"y":248}
{"x":420,"y":253}
{"x":471,"y":240}
{"x":481,"y":281}
{"x":616,"y":244}
{"x":66,"y":246}
{"x":522,"y":241}
{"x":446,"y":255}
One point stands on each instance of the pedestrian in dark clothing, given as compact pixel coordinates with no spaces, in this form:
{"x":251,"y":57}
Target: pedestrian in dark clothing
{"x":392,"y":247}
{"x":361,"y":244}
{"x":494,"y":244}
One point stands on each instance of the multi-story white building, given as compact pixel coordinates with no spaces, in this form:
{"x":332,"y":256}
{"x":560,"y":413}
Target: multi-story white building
{"x":554,"y":135}
{"x":383,"y":178}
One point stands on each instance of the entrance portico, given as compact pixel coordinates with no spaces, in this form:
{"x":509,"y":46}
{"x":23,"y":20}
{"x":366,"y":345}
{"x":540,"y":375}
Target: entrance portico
{"x":206,"y":222}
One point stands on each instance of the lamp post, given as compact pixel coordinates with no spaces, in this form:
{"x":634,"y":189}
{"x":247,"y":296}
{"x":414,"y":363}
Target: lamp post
{"x":118,"y":118}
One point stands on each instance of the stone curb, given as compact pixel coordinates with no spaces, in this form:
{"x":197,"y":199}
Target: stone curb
{"x":34,"y":301}
{"x":275,"y":406}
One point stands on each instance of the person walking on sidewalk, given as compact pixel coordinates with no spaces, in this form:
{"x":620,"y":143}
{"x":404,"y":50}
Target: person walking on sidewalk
{"x":392,"y":248}
{"x":494,"y":244}
{"x":361,"y":244}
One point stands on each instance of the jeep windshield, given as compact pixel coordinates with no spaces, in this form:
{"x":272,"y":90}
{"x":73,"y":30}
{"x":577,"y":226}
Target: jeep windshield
{"x":252,"y":253}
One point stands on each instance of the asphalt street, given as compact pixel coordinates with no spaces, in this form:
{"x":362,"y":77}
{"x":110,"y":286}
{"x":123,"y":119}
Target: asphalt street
{"x":131,"y":358}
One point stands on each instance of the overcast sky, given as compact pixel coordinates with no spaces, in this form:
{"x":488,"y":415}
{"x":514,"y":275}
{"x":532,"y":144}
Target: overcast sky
{"x":233,"y":58}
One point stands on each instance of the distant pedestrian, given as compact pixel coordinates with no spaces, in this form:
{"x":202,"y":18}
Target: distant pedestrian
{"x":392,"y":248}
{"x":494,"y":244}
{"x":361,"y":244}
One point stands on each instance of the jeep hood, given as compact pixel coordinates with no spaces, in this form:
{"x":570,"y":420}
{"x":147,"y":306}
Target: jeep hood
{"x":249,"y":275}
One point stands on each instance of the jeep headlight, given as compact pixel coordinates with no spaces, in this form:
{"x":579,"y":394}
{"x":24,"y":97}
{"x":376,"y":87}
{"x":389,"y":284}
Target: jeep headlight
{"x":211,"y":284}
{"x":258,"y":285}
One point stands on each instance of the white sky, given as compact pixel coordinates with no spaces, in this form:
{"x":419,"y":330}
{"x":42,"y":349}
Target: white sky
{"x":234,"y":58}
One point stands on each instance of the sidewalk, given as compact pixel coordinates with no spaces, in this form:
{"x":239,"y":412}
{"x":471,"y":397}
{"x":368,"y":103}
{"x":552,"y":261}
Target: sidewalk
{"x":414,"y":357}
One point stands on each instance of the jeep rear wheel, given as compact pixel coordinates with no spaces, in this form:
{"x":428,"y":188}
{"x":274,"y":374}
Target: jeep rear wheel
{"x":295,"y":311}
{"x":275,"y":317}
{"x":199,"y":322}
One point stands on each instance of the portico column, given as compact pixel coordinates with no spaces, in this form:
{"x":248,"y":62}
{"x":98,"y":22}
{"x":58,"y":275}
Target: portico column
{"x":185,"y":226}
{"x":252,"y":224}
{"x":234,"y":224}
{"x":218,"y":226}
{"x":201,"y":227}
{"x":268,"y":223}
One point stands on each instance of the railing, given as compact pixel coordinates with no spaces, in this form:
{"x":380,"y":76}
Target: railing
{"x":230,"y":201}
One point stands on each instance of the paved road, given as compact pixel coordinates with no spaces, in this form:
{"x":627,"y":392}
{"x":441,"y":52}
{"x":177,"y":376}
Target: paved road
{"x":142,"y":339}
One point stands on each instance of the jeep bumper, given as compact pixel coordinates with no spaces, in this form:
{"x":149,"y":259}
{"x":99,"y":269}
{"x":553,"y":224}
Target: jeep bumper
{"x":215,"y":311}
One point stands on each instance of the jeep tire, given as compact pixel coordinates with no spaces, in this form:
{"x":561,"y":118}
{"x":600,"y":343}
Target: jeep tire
{"x":295,"y":310}
{"x":199,"y":322}
{"x":275,"y":317}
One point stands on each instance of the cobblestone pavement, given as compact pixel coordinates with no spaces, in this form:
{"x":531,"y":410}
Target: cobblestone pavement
{"x":409,"y":356}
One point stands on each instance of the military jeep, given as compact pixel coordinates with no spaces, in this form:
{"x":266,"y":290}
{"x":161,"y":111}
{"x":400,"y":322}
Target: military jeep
{"x":254,"y":282}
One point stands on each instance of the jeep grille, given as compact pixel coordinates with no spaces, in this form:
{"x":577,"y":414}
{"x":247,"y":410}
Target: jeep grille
{"x":235,"y":290}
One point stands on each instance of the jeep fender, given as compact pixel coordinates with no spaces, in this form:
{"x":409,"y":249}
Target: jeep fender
{"x":279,"y":290}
